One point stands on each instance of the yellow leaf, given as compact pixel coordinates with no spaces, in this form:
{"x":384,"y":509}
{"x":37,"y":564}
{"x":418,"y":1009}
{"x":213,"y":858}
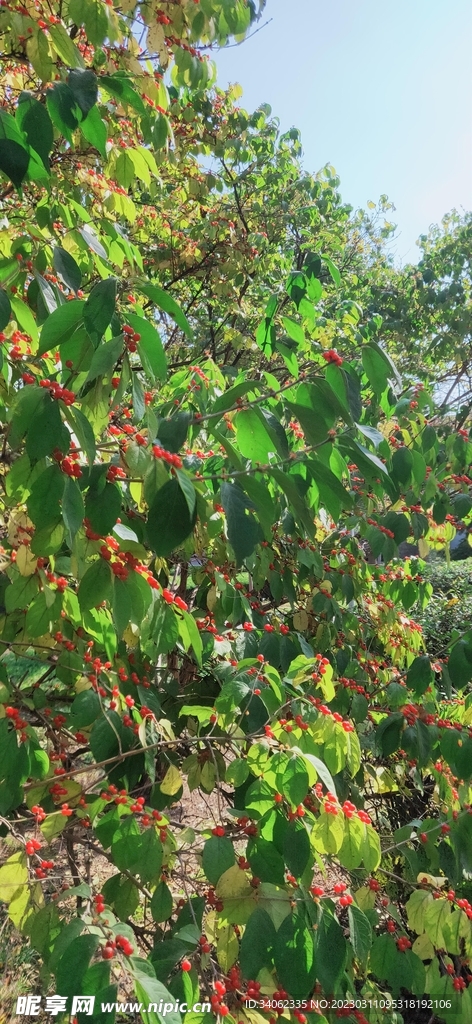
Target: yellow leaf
{"x":25,"y":561}
{"x":423,"y":947}
{"x":208,"y":776}
{"x":74,"y":791}
{"x":53,"y":825}
{"x":300,"y":621}
{"x":136,"y":491}
{"x":212,"y":598}
{"x":227,"y":947}
{"x":365,"y":898}
{"x":166,"y":729}
{"x":13,"y":875}
{"x":19,"y":908}
{"x":171,"y":782}
{"x":18,"y":524}
{"x":131,"y":635}
{"x":82,"y":684}
{"x":156,"y":43}
{"x":438,"y":881}
{"x":233,"y":883}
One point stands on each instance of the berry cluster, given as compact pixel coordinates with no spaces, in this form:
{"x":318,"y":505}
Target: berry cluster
{"x":58,"y":392}
{"x":120,"y":943}
{"x":169,"y":457}
{"x":332,"y":356}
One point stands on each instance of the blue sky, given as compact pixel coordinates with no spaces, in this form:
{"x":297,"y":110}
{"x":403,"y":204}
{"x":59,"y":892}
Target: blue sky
{"x":381,"y":90}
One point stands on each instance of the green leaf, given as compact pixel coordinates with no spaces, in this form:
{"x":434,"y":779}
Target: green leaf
{"x":169,"y":521}
{"x":460,"y":664}
{"x":20,"y":593}
{"x":331,"y":953}
{"x":388,"y":733}
{"x":167,"y":303}
{"x":336,"y":276}
{"x":172,"y":431}
{"x":294,"y":957}
{"x":193,"y":635}
{"x":85,"y":709}
{"x":257,"y":944}
{"x":351,"y":852}
{"x":379,"y":368}
{"x":5,"y":309}
{"x":368,"y":463}
{"x":121,"y":605}
{"x":84,"y":87}
{"x":61,"y":324}
{"x":84,"y":432}
{"x":96,"y":585}
{"x":218,"y":856}
{"x":229,"y":397}
{"x":93,"y":16}
{"x":25,"y":318}
{"x":74,"y":963}
{"x":105,"y":358}
{"x":416,"y":908}
{"x":14,"y":158}
{"x":243,"y":530}
{"x":237,"y":772}
{"x":63,"y":109}
{"x":150,"y":991}
{"x":420,"y":674}
{"x":64,"y":264}
{"x":100,"y":306}
{"x":360,"y":932}
{"x":150,"y":345}
{"x":123,"y":895}
{"x":297,"y":850}
{"x":126,"y":845}
{"x":90,"y":237}
{"x":124,"y":170}
{"x":46,"y":431}
{"x":33,"y":119}
{"x":72,"y":506}
{"x":328,"y":834}
{"x":108,"y":737}
{"x":150,"y":856}
{"x":254,"y":441}
{"x":382,"y":956}
{"x":119,"y":86}
{"x":161,"y":904}
{"x":457,"y":752}
{"x":65,"y":47}
{"x":94,"y":129}
{"x":37,"y":48}
{"x":334,"y":496}
{"x":295,"y":781}
{"x":287,"y":484}
{"x":321,"y":769}
{"x":402,"y":466}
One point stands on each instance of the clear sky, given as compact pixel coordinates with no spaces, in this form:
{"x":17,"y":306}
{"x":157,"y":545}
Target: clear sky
{"x":381,"y":89}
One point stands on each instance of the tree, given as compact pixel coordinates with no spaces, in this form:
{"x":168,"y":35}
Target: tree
{"x":194,"y":474}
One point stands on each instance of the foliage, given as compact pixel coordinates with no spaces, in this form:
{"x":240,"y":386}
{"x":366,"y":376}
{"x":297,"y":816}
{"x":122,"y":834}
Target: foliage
{"x":204,"y":436}
{"x":426,"y":310}
{"x":450,"y":605}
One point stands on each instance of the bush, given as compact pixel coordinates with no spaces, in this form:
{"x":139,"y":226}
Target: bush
{"x":449,"y":610}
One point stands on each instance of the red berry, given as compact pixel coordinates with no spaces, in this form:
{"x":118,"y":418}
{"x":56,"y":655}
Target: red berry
{"x":186,"y":965}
